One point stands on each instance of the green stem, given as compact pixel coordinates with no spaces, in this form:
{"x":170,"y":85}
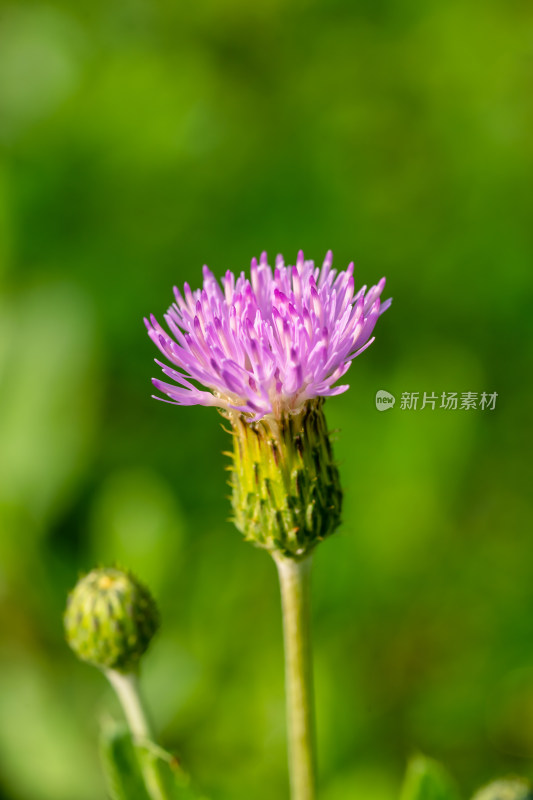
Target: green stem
{"x":294,"y":578}
{"x":126,"y":685}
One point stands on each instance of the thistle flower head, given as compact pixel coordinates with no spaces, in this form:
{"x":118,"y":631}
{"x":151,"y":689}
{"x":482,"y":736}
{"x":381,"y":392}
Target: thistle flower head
{"x":269,"y":344}
{"x":110,"y":619}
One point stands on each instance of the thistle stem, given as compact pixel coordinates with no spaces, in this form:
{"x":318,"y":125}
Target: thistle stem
{"x":294,"y":578}
{"x":126,"y":686}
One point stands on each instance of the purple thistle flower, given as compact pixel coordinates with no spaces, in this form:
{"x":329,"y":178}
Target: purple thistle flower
{"x":269,"y":344}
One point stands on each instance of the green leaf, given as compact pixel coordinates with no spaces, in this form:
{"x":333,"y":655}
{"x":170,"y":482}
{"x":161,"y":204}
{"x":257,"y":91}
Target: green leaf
{"x":177,"y":782}
{"x":123,"y":762}
{"x":121,"y":767}
{"x":427,"y":780}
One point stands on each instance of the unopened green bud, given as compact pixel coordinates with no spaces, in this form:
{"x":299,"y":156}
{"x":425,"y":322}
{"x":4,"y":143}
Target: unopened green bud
{"x":110,"y":619}
{"x":510,"y":789}
{"x":286,"y":493}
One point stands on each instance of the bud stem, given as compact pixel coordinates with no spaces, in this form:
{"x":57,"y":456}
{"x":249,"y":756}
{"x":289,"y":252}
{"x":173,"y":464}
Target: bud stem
{"x":294,"y":578}
{"x":126,"y":686}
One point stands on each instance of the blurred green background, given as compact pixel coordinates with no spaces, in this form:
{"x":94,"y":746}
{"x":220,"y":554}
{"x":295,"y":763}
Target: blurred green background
{"x":142,"y":139}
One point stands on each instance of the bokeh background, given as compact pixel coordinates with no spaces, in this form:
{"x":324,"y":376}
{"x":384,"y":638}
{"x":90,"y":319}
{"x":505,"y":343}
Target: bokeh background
{"x":140,"y":139}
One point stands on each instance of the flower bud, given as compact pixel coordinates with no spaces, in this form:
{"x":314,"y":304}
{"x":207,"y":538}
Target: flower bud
{"x":510,"y":789}
{"x":110,"y":619}
{"x":286,"y":492}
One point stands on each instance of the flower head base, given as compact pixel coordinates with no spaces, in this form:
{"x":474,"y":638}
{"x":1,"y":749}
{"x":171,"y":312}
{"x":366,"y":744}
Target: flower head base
{"x":510,"y":789}
{"x":110,"y":619}
{"x":268,"y":345}
{"x":286,"y":493}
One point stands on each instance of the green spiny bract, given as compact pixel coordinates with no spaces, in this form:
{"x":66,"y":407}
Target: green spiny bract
{"x":110,"y":619}
{"x":509,"y":789}
{"x":286,"y":493}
